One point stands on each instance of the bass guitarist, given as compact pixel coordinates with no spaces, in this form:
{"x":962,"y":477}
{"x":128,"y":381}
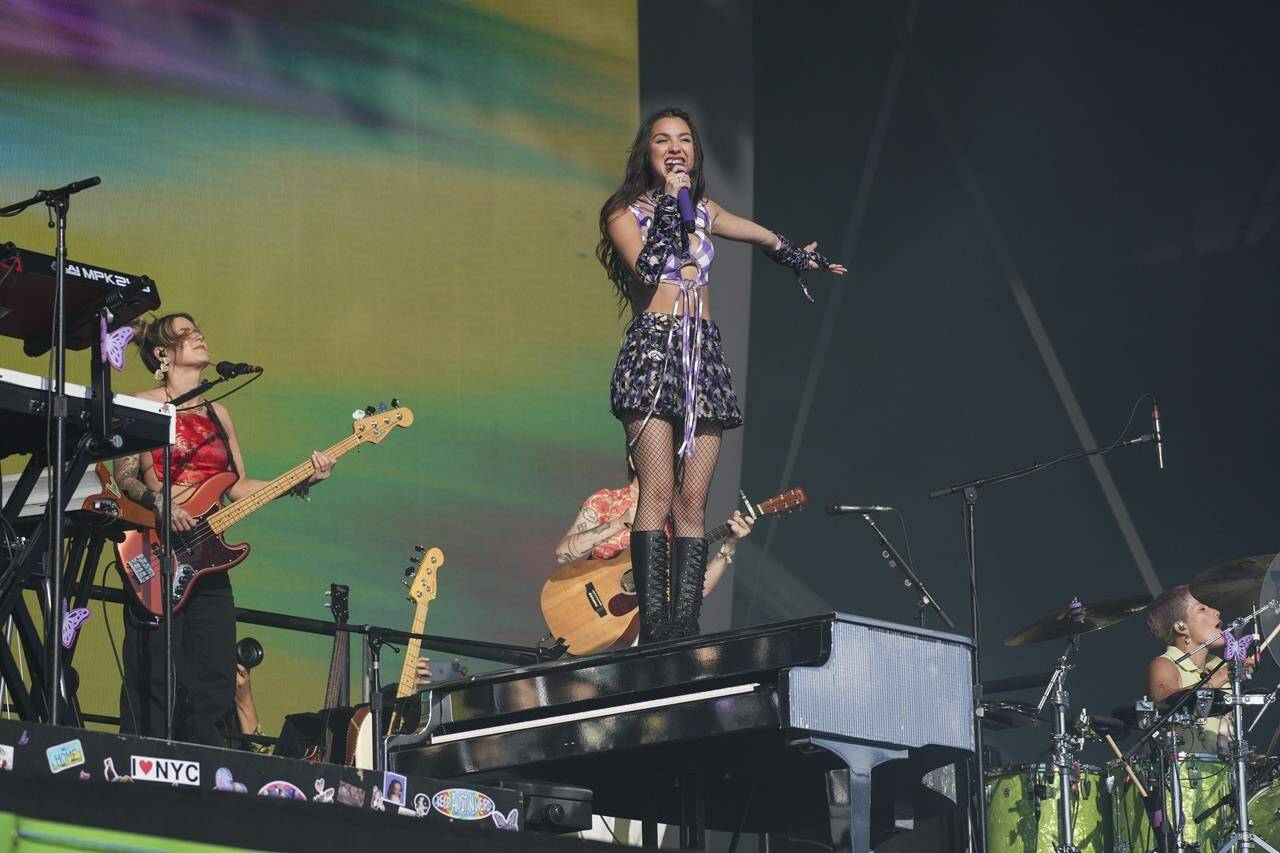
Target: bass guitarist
{"x":602,"y":530}
{"x":204,"y":631}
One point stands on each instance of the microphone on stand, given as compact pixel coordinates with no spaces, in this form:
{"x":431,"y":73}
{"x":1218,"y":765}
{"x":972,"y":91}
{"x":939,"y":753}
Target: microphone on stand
{"x":841,"y":509}
{"x":231,"y":369}
{"x":1155,"y":431}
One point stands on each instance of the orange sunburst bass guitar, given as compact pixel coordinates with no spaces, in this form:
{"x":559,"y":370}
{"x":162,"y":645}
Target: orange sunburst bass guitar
{"x":202,"y":550}
{"x":592,"y":604}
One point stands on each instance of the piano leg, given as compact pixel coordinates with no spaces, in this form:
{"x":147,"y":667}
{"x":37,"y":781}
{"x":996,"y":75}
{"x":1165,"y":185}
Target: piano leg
{"x":849,"y":794}
{"x":693,"y":811}
{"x":649,"y":834}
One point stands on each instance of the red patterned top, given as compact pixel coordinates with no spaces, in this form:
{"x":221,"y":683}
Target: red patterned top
{"x":199,"y":451}
{"x":611,"y":504}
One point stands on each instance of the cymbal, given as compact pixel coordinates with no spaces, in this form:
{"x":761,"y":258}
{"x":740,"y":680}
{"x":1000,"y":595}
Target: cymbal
{"x":1232,"y":586}
{"x":1000,"y":715}
{"x":1079,"y":619}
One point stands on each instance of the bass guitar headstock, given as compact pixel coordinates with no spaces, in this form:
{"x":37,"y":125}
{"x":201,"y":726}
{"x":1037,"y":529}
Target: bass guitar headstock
{"x":374,"y":423}
{"x":420,"y":575}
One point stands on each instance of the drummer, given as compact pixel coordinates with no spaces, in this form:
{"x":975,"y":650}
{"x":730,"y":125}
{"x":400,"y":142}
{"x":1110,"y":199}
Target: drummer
{"x":1177,"y":619}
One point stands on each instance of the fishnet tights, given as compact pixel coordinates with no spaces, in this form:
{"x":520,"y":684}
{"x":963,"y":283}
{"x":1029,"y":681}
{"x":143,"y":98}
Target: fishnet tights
{"x":666,"y":491}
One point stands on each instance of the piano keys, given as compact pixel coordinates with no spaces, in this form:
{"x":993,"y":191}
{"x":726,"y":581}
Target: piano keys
{"x":24,"y":400}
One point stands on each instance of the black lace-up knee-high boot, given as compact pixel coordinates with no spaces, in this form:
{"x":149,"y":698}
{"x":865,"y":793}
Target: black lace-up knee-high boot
{"x":688,"y":575}
{"x":651,"y":568}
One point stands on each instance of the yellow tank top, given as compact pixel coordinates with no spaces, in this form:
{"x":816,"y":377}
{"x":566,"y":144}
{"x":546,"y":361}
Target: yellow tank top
{"x":1214,"y":734}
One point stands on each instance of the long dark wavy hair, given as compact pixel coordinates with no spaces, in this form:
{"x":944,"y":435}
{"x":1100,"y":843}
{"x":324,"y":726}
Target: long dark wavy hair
{"x":635,"y":183}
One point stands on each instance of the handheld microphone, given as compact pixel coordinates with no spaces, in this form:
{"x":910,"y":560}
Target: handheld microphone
{"x":841,"y":509}
{"x":685,"y":203}
{"x":231,"y":369}
{"x":1155,"y":430}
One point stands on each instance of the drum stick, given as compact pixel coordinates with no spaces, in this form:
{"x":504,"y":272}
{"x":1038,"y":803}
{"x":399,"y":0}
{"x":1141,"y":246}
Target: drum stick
{"x":1132,"y":776}
{"x":1270,"y":637}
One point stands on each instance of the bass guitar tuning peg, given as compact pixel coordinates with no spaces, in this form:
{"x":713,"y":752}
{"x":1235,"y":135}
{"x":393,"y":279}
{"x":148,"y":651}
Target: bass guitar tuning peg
{"x":382,"y":407}
{"x":357,"y":414}
{"x":395,"y":403}
{"x":421,"y":549}
{"x":370,"y":410}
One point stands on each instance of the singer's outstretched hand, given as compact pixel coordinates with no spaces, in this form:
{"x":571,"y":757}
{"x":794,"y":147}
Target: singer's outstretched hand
{"x":838,"y":269}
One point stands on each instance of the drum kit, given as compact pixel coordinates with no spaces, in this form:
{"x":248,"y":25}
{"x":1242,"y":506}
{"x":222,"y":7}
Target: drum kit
{"x":1160,"y":793}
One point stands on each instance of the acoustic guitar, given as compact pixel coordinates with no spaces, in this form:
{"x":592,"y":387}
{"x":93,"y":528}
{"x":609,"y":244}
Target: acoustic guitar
{"x":592,"y":604}
{"x":202,"y":549}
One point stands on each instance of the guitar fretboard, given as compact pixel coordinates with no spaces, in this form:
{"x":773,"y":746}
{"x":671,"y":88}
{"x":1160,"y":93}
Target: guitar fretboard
{"x":409,"y":672}
{"x":221,"y":520}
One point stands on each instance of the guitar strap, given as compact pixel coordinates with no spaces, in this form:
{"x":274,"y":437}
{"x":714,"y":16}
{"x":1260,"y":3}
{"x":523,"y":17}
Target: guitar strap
{"x":222,"y":434}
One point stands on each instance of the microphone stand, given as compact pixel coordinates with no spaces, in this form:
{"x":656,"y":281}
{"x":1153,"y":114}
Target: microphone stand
{"x":893,"y":558}
{"x":969,"y":492}
{"x":205,"y":385}
{"x":59,"y":202}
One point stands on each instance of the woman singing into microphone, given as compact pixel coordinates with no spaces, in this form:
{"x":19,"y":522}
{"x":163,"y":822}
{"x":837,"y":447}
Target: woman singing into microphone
{"x":204,"y":631}
{"x":671,"y":388}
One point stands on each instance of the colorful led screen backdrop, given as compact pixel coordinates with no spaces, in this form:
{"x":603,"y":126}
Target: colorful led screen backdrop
{"x":371,"y":200}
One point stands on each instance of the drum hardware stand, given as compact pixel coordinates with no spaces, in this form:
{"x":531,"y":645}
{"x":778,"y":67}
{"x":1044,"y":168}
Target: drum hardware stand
{"x":1064,"y":745}
{"x":1271,"y":697}
{"x":925,"y":599}
{"x":1243,"y":838}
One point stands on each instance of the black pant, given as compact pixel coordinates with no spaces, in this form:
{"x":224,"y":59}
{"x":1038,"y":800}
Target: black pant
{"x":204,"y":660}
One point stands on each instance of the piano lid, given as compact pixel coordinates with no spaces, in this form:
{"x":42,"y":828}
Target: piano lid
{"x":749,"y":655}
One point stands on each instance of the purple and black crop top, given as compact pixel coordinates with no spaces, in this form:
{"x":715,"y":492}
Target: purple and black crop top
{"x":700,"y":247}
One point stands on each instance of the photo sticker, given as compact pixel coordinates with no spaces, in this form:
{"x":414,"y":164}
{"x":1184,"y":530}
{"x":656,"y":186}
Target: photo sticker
{"x":395,"y":788}
{"x":350,"y":795}
{"x":64,"y":756}
{"x":6,"y":757}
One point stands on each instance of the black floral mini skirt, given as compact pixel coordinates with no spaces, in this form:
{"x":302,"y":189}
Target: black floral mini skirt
{"x":648,"y":367}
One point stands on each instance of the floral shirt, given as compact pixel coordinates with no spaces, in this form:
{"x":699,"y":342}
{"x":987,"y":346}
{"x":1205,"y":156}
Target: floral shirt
{"x":609,"y":505}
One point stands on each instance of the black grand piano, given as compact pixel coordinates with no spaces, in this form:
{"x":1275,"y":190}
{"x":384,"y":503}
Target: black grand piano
{"x":809,"y":730}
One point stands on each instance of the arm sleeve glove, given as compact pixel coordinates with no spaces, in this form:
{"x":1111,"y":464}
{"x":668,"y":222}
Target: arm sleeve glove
{"x":793,"y":257}
{"x":663,"y":240}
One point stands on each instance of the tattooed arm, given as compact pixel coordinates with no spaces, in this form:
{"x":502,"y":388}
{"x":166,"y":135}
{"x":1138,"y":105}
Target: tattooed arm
{"x":129,"y":477}
{"x":588,"y":531}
